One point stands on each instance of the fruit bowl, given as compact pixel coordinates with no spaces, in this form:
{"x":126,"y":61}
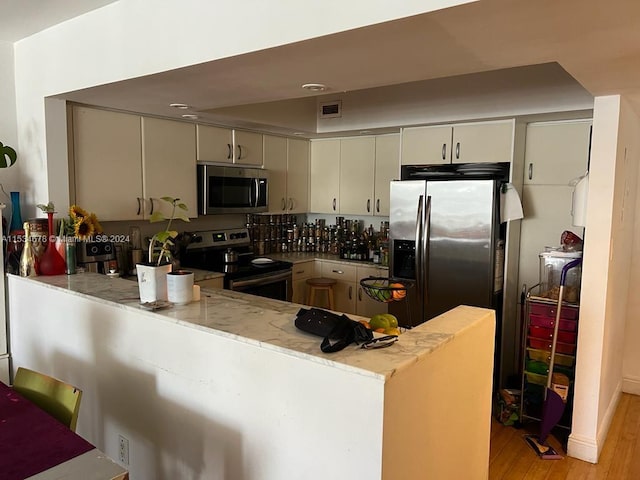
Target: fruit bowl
{"x":384,"y":289}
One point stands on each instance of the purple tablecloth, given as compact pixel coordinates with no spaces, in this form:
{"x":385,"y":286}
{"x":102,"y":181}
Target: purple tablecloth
{"x":31,"y":441}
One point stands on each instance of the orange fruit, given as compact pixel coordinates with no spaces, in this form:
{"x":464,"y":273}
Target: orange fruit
{"x":398,"y":294}
{"x":366,"y":324}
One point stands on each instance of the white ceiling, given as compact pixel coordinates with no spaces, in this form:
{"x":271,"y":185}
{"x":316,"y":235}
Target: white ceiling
{"x":597,"y":43}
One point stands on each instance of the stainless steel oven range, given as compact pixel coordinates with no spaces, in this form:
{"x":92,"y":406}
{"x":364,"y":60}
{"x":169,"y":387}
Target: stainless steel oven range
{"x":229,"y":251}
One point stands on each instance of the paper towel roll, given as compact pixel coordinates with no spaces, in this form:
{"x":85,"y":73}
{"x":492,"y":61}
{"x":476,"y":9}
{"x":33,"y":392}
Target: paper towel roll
{"x":579,"y":201}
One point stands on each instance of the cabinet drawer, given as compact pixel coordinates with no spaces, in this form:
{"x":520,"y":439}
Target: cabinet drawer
{"x":545,"y":344}
{"x":302,"y":270}
{"x":570,"y":313}
{"x":547,"y":333}
{"x":548,"y":322}
{"x":341,"y":272}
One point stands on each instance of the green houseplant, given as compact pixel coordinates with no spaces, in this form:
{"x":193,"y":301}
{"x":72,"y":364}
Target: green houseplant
{"x":152,"y":277}
{"x":166,"y":237}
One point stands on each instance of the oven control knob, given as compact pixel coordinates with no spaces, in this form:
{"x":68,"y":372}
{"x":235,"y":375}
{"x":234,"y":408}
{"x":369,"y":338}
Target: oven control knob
{"x":196,"y":239}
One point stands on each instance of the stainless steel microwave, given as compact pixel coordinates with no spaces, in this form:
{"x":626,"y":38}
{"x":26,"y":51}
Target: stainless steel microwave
{"x":223,"y":189}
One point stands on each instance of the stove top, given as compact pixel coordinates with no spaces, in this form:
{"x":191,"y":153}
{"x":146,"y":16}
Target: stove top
{"x":206,"y":250}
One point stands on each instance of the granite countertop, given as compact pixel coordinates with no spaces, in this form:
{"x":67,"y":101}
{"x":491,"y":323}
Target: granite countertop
{"x":269,"y":323}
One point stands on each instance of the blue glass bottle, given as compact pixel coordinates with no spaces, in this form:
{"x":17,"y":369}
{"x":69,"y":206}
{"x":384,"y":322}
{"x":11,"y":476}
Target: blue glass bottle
{"x":16,"y":216}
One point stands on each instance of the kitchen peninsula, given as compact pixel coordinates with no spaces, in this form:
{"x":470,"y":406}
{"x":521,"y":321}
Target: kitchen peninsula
{"x":228,"y":388}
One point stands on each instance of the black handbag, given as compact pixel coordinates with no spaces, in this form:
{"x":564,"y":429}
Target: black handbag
{"x":337,"y":331}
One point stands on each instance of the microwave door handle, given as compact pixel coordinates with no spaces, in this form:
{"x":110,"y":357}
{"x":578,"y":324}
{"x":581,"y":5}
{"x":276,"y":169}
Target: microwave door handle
{"x":256,"y":196}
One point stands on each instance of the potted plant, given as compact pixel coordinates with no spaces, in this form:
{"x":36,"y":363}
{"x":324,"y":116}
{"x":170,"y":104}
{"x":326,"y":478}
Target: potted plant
{"x":152,"y":277}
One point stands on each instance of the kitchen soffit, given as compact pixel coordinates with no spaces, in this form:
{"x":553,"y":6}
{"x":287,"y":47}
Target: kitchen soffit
{"x":493,"y":35}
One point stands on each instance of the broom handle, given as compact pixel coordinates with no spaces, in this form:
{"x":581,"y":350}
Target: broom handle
{"x":563,"y":278}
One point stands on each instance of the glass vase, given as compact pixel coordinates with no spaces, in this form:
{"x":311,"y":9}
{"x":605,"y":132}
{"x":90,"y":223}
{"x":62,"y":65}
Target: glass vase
{"x":51,"y":262}
{"x":16,"y":217}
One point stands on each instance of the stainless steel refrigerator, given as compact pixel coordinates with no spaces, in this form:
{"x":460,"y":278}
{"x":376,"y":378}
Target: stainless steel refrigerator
{"x":446,"y":237}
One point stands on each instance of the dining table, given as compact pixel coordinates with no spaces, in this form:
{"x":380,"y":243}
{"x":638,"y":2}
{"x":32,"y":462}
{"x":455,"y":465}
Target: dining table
{"x":36,"y":446}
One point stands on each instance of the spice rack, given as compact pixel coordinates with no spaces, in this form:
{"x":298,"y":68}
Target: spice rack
{"x":537,"y":337}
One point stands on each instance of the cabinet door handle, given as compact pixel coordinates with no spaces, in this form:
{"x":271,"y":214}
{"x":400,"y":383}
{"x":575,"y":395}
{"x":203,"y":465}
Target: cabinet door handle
{"x":290,"y":203}
{"x":350,"y":292}
{"x":457,"y":150}
{"x":378,"y":205}
{"x":284,"y":205}
{"x":151,"y":200}
{"x":531,"y":171}
{"x":229,"y":151}
{"x":368,"y":205}
{"x":334,"y":204}
{"x":339,"y":272}
{"x":444,"y":151}
{"x":360,"y":293}
{"x":239,"y":152}
{"x":139,"y":206}
{"x":299,"y":272}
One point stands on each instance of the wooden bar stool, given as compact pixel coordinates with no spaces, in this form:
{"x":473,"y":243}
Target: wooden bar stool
{"x":320,"y":284}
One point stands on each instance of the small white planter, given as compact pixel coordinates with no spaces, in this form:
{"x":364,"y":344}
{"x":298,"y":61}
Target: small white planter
{"x":180,"y":287}
{"x":152,"y":282}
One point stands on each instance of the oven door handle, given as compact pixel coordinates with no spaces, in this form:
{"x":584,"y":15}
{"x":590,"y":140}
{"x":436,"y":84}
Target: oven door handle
{"x":263,"y":280}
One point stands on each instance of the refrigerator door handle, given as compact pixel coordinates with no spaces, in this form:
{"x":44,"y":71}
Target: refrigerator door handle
{"x":425,"y":248}
{"x":418,"y":255}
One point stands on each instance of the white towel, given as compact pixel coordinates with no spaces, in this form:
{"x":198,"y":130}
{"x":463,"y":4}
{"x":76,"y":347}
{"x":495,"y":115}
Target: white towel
{"x":510,"y":204}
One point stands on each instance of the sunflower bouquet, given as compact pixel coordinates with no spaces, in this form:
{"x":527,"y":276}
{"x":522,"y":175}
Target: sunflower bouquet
{"x":80,"y":224}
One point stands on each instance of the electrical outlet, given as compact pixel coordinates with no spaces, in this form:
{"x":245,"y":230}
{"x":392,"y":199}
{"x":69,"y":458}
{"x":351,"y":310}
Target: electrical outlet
{"x":123,"y":450}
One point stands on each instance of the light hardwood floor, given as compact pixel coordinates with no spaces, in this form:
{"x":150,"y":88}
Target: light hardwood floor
{"x":512,"y":459}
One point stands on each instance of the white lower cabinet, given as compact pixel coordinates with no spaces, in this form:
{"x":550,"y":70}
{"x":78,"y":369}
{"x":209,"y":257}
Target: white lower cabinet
{"x":344,"y":291}
{"x":301,"y":272}
{"x":211,"y":283}
{"x":349,"y":296}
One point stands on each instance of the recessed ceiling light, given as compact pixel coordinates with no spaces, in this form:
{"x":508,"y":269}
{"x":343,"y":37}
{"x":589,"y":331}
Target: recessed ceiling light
{"x":190,"y":116}
{"x":179,"y":105}
{"x":314,"y":87}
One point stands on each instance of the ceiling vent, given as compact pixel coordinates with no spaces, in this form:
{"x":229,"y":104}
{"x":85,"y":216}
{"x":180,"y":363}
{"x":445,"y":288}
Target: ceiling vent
{"x":331,"y":109}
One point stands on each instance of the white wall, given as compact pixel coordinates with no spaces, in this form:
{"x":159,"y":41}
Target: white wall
{"x":119,"y":42}
{"x":8,"y":129}
{"x":607,"y":266}
{"x":631,"y":362}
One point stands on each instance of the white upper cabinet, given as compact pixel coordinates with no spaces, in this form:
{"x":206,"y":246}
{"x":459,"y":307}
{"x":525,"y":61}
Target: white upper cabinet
{"x":107,"y":166}
{"x":224,"y":145}
{"x":297,"y":175}
{"x":124,"y":163}
{"x":214,"y":144}
{"x":325,"y":176}
{"x":275,"y":162}
{"x":287,"y":161}
{"x":387,"y":168}
{"x":426,"y":145}
{"x":169,"y":163}
{"x":556,"y":152}
{"x":247,"y":148}
{"x":486,"y":142}
{"x":479,"y":142}
{"x":357,"y":168}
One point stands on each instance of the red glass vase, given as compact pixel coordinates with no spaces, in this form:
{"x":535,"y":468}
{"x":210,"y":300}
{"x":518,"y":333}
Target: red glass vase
{"x":51,"y":263}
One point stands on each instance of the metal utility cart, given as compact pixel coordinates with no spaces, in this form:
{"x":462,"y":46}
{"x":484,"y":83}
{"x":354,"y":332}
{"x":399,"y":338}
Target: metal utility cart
{"x":537,"y":339}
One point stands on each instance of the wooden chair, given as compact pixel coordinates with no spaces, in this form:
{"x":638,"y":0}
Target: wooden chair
{"x":58,"y":399}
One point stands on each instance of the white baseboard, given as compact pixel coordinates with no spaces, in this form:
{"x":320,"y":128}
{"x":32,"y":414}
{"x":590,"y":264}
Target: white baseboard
{"x":631,"y":385}
{"x":587,"y":448}
{"x":582,"y":448}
